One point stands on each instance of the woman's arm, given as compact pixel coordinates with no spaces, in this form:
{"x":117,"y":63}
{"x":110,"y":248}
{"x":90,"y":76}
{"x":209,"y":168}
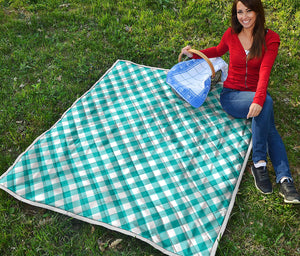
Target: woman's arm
{"x":270,"y":55}
{"x":265,"y":71}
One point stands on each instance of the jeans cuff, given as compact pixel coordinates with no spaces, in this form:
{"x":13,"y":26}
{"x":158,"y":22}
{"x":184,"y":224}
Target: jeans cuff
{"x":286,"y":177}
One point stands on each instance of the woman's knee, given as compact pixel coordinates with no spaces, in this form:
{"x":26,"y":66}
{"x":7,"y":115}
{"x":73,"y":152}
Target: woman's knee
{"x":236,"y":103}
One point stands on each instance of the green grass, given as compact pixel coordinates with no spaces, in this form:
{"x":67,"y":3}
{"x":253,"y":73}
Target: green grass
{"x":52,"y":51}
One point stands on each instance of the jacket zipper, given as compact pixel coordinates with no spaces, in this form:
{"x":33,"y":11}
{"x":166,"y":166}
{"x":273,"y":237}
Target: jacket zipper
{"x":246,"y":73}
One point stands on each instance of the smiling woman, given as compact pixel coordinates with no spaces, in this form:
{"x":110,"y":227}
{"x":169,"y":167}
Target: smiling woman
{"x":253,"y":50}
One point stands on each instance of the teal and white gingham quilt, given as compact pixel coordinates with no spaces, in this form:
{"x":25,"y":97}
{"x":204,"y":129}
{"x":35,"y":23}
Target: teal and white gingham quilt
{"x":131,"y":156}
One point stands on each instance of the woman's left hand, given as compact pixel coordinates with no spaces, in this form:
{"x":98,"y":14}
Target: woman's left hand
{"x":185,"y":51}
{"x":254,"y":110}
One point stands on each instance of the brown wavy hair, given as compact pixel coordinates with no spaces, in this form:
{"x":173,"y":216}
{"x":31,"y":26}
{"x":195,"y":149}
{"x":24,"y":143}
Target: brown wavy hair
{"x":259,"y":29}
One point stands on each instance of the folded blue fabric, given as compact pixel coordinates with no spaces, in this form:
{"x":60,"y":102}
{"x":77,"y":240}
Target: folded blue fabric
{"x":192,"y":79}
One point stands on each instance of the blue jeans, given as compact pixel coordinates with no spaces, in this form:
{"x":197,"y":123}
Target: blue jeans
{"x":265,"y":138}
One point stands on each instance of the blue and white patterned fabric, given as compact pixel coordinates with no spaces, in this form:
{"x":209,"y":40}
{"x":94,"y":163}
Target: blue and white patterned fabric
{"x":130,"y":156}
{"x":192,"y":79}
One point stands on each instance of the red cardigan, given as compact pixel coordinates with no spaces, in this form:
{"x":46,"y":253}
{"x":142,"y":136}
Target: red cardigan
{"x":252,"y":75}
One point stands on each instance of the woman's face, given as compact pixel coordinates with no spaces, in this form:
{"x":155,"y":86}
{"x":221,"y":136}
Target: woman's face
{"x":245,"y":16}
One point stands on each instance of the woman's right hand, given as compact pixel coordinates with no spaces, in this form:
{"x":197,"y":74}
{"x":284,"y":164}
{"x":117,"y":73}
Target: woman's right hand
{"x":185,"y":51}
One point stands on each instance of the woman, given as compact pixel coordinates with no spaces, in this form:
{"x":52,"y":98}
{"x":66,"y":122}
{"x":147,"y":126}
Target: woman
{"x":253,"y":50}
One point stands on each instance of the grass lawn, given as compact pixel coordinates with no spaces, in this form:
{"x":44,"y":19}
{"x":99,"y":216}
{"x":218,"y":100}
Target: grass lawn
{"x":52,"y":51}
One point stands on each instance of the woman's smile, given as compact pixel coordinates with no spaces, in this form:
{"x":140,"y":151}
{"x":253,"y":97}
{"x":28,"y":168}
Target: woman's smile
{"x":245,"y":16}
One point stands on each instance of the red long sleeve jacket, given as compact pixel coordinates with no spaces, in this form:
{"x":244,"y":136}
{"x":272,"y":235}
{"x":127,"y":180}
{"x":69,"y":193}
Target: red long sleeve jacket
{"x":246,"y":75}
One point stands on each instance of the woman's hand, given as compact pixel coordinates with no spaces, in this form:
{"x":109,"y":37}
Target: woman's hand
{"x":254,"y":110}
{"x":185,"y":51}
